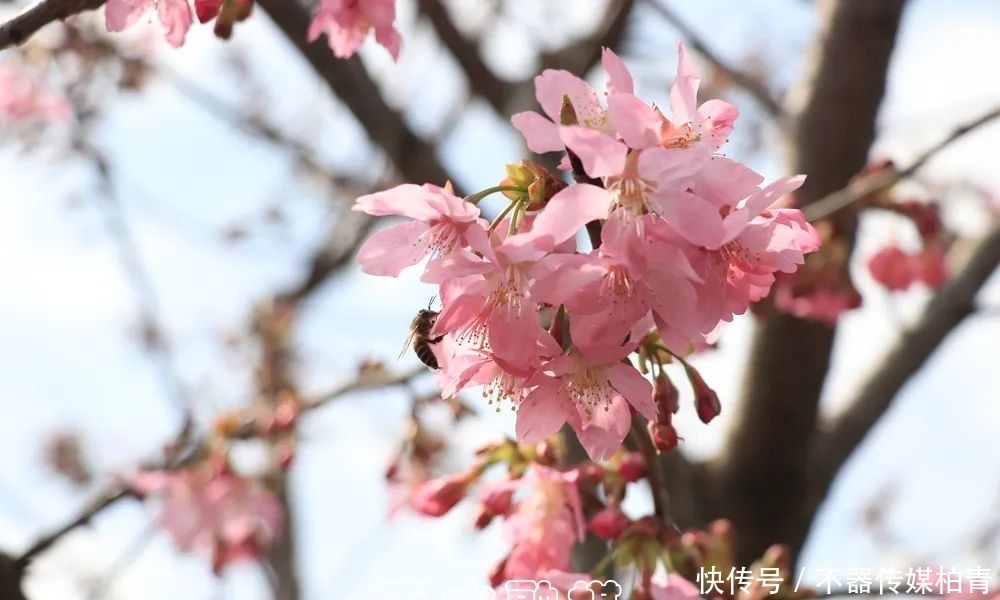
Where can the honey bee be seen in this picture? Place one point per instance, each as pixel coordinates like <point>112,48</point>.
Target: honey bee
<point>419,338</point>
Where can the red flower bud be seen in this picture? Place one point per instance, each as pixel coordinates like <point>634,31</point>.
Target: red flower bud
<point>665,395</point>
<point>609,523</point>
<point>706,401</point>
<point>664,436</point>
<point>436,497</point>
<point>632,467</point>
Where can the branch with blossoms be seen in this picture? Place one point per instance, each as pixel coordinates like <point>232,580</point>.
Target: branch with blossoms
<point>683,239</point>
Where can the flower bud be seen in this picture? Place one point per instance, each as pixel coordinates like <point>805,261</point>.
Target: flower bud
<point>664,436</point>
<point>665,395</point>
<point>498,573</point>
<point>436,497</point>
<point>498,501</point>
<point>706,401</point>
<point>632,467</point>
<point>609,522</point>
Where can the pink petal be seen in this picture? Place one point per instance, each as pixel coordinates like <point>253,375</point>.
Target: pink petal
<point>176,17</point>
<point>540,134</point>
<point>605,430</point>
<point>565,214</point>
<point>619,78</point>
<point>407,200</point>
<point>636,121</point>
<point>539,415</point>
<point>122,14</point>
<point>693,219</point>
<point>389,251</point>
<point>684,92</point>
<point>636,389</point>
<point>601,154</point>
<point>389,39</point>
<point>552,85</point>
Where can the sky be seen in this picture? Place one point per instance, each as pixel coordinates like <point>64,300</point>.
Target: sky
<point>72,362</point>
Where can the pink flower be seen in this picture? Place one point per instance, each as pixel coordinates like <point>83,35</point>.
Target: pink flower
<point>542,132</point>
<point>487,294</point>
<point>593,392</point>
<point>210,509</point>
<point>820,303</point>
<point>544,524</point>
<point>346,24</point>
<point>174,15</point>
<point>442,223</point>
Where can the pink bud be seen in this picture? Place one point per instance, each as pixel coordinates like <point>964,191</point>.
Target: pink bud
<point>933,267</point>
<point>664,436</point>
<point>632,467</point>
<point>436,497</point>
<point>665,395</point>
<point>706,401</point>
<point>609,523</point>
<point>498,573</point>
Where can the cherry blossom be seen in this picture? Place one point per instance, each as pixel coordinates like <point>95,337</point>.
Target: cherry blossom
<point>208,508</point>
<point>347,23</point>
<point>174,15</point>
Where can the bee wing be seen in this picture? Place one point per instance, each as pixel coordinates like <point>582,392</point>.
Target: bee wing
<point>408,343</point>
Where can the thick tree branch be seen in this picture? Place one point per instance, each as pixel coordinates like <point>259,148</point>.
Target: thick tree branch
<point>17,30</point>
<point>760,479</point>
<point>946,311</point>
<point>754,86</point>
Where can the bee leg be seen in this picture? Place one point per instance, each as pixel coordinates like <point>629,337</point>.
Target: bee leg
<point>436,340</point>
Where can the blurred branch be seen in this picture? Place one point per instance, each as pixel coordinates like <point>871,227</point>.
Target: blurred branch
<point>946,311</point>
<point>865,187</point>
<point>89,511</point>
<point>365,381</point>
<point>17,30</point>
<point>482,80</point>
<point>753,85</point>
<point>414,158</point>
<point>760,480</point>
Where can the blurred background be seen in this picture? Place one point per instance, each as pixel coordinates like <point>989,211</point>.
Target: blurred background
<point>151,223</point>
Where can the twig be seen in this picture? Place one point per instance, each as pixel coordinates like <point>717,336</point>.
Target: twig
<point>363,382</point>
<point>748,82</point>
<point>17,30</point>
<point>864,187</point>
<point>654,471</point>
<point>946,311</point>
<point>90,510</point>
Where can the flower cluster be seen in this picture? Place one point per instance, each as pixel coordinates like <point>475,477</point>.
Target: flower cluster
<point>897,269</point>
<point>683,239</point>
<point>346,23</point>
<point>208,508</point>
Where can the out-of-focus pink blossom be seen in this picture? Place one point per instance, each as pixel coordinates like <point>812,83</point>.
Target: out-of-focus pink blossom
<point>436,497</point>
<point>544,524</point>
<point>347,23</point>
<point>609,522</point>
<point>676,588</point>
<point>893,268</point>
<point>174,15</point>
<point>209,509</point>
<point>822,303</point>
<point>22,96</point>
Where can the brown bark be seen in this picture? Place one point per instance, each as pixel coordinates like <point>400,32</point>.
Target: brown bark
<point>760,481</point>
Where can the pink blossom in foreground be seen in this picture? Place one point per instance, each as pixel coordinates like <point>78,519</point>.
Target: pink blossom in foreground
<point>174,15</point>
<point>688,239</point>
<point>442,222</point>
<point>347,23</point>
<point>209,509</point>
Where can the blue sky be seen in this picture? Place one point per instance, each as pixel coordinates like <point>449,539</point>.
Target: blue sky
<point>183,176</point>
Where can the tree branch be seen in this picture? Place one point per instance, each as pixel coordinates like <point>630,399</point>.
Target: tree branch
<point>760,479</point>
<point>864,187</point>
<point>17,30</point>
<point>415,159</point>
<point>946,311</point>
<point>754,86</point>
